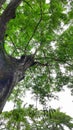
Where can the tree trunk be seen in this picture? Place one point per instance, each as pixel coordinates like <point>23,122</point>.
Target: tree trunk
<point>11,70</point>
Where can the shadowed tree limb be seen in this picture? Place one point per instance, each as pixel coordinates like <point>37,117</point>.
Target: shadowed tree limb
<point>9,13</point>
<point>2,2</point>
<point>41,64</point>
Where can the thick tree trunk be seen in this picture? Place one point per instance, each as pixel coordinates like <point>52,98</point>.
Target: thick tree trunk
<point>11,70</point>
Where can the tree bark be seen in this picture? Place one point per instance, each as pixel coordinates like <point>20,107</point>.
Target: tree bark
<point>12,70</point>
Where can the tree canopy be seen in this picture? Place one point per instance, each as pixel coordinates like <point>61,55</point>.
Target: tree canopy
<point>36,48</point>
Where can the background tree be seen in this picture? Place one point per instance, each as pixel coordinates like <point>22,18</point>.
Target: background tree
<point>33,119</point>
<point>37,35</point>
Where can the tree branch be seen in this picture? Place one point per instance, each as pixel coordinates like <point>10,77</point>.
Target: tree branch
<point>53,58</point>
<point>2,2</point>
<point>8,14</point>
<point>34,31</point>
<point>41,64</point>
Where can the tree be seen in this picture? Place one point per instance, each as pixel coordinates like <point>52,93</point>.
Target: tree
<point>11,69</point>
<point>35,35</point>
<point>27,27</point>
<point>33,119</point>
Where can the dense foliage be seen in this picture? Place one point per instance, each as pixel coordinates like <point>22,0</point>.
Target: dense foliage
<point>46,31</point>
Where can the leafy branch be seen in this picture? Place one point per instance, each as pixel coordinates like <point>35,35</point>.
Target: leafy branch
<point>34,31</point>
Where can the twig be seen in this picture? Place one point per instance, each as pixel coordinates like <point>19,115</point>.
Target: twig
<point>28,4</point>
<point>55,59</point>
<point>33,34</point>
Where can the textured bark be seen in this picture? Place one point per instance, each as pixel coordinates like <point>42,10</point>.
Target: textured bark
<point>11,70</point>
